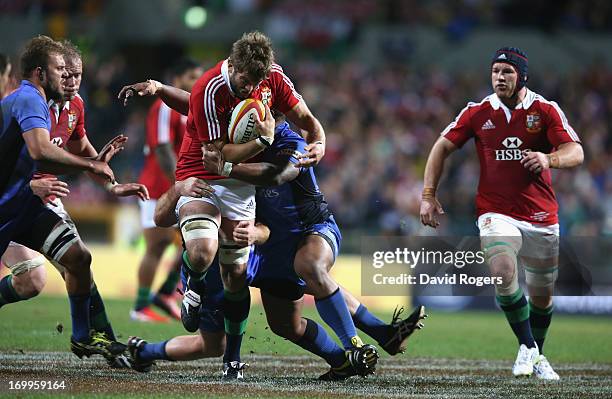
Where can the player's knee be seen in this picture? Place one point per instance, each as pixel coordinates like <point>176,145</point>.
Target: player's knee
<point>312,271</point>
<point>232,254</point>
<point>201,253</point>
<point>504,269</point>
<point>77,258</point>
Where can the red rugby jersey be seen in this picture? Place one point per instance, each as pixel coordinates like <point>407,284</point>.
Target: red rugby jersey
<point>67,124</point>
<point>164,125</point>
<point>502,136</point>
<point>210,109</point>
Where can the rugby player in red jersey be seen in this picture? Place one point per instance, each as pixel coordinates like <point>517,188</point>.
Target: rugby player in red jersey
<point>165,129</point>
<point>520,136</point>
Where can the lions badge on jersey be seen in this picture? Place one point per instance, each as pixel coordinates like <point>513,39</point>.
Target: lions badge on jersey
<point>534,123</point>
<point>72,118</point>
<point>266,95</point>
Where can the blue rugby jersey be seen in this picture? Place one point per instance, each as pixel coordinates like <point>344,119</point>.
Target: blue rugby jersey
<point>23,110</point>
<point>293,207</point>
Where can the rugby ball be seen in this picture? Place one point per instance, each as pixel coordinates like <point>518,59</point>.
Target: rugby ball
<point>242,123</point>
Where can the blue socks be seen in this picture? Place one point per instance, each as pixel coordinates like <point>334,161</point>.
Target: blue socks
<point>232,348</point>
<point>79,312</point>
<point>334,312</point>
<point>7,291</point>
<point>371,325</point>
<point>154,351</point>
<point>316,340</point>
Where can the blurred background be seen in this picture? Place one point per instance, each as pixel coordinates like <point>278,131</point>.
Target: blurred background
<point>383,77</point>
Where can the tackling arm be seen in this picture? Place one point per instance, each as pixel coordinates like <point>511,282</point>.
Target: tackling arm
<point>173,97</point>
<point>166,159</point>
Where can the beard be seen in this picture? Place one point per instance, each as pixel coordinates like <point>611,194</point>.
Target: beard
<point>54,91</point>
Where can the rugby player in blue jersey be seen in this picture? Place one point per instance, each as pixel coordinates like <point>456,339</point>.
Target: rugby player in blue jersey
<point>302,229</point>
<point>25,146</point>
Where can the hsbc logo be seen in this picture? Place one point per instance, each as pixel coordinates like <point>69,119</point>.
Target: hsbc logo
<point>512,151</point>
<point>512,142</point>
<point>57,141</point>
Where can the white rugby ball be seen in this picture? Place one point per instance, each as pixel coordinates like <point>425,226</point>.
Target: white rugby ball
<point>242,124</point>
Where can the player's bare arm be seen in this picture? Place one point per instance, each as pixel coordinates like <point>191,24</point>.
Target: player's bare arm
<point>58,161</point>
<point>174,97</point>
<point>166,159</point>
<point>301,116</point>
<point>430,206</point>
<point>262,174</point>
<point>191,187</point>
<point>237,153</point>
<point>568,155</point>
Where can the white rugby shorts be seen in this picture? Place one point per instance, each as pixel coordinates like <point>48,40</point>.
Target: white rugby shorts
<point>234,199</point>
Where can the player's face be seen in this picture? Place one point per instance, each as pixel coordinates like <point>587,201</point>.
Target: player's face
<point>72,82</point>
<point>188,79</point>
<point>504,79</point>
<point>242,84</point>
<point>52,77</point>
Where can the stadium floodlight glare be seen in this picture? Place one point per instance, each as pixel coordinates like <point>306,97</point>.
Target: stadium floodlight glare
<point>195,17</point>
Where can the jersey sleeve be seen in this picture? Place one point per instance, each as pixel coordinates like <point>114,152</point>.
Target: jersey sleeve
<point>460,130</point>
<point>208,112</point>
<point>286,97</point>
<point>31,113</point>
<point>559,130</point>
<point>79,130</point>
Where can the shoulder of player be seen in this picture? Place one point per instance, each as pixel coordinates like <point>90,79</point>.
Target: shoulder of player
<point>77,103</point>
<point>544,105</point>
<point>472,107</point>
<point>277,73</point>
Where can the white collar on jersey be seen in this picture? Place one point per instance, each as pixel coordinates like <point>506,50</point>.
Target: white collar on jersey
<point>225,74</point>
<point>55,106</point>
<point>496,103</point>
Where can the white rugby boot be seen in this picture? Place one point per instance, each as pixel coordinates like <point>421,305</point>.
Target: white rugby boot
<point>525,359</point>
<point>543,370</point>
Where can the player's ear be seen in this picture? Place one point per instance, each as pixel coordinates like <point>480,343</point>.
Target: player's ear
<point>41,73</point>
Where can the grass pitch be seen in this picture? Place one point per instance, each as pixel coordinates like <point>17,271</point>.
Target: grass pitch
<point>466,354</point>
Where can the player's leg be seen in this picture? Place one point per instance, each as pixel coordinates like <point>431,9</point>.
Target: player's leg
<point>199,221</point>
<point>313,259</point>
<point>27,277</point>
<point>541,260</point>
<point>285,319</point>
<point>209,343</point>
<point>58,240</point>
<point>233,261</point>
<point>391,337</point>
<point>157,240</point>
<point>501,241</point>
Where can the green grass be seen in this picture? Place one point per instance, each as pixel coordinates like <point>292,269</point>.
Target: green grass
<point>31,326</point>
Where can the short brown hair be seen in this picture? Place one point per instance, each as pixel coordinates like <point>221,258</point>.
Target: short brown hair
<point>71,51</point>
<point>252,54</point>
<point>37,52</point>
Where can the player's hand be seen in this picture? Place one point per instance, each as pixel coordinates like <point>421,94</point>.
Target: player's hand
<point>212,158</point>
<point>140,89</point>
<point>245,233</point>
<point>194,187</point>
<point>430,209</point>
<point>535,162</point>
<point>49,187</point>
<point>111,148</point>
<point>129,189</point>
<point>312,156</point>
<point>102,169</point>
<point>265,127</point>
